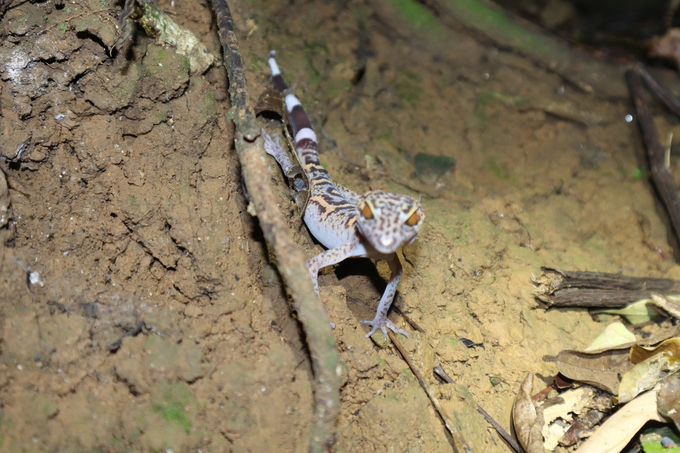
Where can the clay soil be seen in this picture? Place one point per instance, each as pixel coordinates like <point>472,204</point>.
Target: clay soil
<point>140,309</point>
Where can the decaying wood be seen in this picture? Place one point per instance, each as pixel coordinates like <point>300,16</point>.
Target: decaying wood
<point>559,288</point>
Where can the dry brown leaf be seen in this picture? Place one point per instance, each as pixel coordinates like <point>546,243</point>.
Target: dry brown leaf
<point>666,304</point>
<point>670,347</point>
<point>619,429</point>
<point>669,399</point>
<point>664,333</point>
<point>527,419</point>
<point>602,370</point>
<point>644,376</point>
<point>651,366</point>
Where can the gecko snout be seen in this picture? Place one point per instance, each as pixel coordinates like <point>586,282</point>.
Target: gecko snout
<point>386,241</point>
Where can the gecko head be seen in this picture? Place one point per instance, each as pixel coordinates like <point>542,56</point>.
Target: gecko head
<point>387,220</point>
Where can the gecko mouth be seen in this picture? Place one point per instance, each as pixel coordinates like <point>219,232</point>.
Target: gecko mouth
<point>389,245</point>
<point>386,241</point>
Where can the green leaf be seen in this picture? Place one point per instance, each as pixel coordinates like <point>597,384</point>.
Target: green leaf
<point>635,313</point>
<point>651,440</point>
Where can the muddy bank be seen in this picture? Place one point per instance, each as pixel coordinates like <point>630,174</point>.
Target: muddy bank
<point>155,319</point>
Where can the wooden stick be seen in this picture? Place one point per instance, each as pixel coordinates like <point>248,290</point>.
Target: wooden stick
<point>661,176</point>
<point>600,280</point>
<point>559,288</point>
<point>459,444</point>
<point>511,441</point>
<point>501,431</point>
<point>594,298</point>
<point>291,262</point>
<point>664,95</point>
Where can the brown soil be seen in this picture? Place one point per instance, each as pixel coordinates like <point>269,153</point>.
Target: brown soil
<point>126,207</point>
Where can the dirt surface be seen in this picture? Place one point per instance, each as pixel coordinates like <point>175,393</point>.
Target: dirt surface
<point>140,309</point>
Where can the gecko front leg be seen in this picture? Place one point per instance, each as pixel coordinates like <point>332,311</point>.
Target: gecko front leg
<point>331,257</point>
<point>273,147</point>
<point>381,321</point>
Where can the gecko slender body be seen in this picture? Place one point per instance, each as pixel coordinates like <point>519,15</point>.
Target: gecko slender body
<point>373,225</point>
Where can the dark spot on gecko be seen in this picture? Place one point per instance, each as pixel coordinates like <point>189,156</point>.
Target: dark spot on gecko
<point>322,209</point>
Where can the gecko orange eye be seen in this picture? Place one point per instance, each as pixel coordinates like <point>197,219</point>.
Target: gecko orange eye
<point>366,212</point>
<point>412,220</point>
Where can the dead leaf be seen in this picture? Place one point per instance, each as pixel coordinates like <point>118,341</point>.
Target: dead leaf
<point>619,429</point>
<point>670,347</point>
<point>527,419</point>
<point>669,399</point>
<point>651,366</point>
<point>602,370</point>
<point>661,335</point>
<point>667,304</point>
<point>643,376</point>
<point>614,336</point>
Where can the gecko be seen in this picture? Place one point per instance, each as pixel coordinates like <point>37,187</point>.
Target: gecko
<point>373,225</point>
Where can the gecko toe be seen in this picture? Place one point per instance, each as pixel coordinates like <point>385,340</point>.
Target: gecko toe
<point>383,324</point>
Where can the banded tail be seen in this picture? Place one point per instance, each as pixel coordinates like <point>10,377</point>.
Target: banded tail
<point>306,145</point>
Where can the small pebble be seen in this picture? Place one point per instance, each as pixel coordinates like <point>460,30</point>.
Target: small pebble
<point>667,442</point>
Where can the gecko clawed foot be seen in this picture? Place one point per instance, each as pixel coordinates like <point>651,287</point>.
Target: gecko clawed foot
<point>272,145</point>
<point>383,324</point>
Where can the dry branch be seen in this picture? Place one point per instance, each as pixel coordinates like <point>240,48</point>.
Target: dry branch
<point>291,263</point>
<point>661,175</point>
<point>559,288</point>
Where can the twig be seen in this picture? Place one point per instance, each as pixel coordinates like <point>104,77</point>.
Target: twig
<point>661,176</point>
<point>250,148</point>
<point>664,95</point>
<point>501,432</point>
<point>507,437</point>
<point>459,444</point>
<point>443,375</point>
<point>407,318</point>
